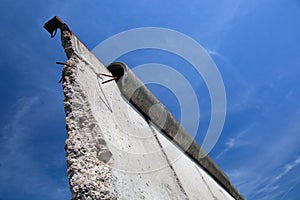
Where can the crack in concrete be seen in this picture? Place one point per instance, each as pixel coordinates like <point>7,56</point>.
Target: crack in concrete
<point>169,163</point>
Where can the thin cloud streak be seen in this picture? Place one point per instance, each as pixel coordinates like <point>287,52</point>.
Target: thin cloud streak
<point>265,185</point>
<point>234,142</point>
<point>17,163</point>
<point>287,168</point>
<point>258,175</point>
<point>290,189</point>
<point>272,187</point>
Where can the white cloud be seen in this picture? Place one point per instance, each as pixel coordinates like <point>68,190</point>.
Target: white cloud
<point>235,142</point>
<point>13,130</point>
<point>19,170</point>
<point>287,168</point>
<point>244,94</point>
<point>215,53</point>
<point>270,187</point>
<point>290,189</point>
<point>266,165</point>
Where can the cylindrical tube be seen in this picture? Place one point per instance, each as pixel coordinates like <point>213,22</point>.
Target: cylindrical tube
<point>145,102</point>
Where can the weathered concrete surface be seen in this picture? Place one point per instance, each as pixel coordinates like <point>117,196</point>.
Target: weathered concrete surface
<point>142,98</point>
<point>197,183</point>
<point>112,151</point>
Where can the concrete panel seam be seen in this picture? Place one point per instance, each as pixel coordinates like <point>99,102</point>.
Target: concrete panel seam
<point>169,163</point>
<point>206,184</point>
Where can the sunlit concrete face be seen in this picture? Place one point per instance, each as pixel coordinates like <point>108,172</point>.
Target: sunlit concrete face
<point>113,152</point>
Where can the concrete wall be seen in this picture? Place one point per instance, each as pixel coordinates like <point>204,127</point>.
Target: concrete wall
<point>112,150</point>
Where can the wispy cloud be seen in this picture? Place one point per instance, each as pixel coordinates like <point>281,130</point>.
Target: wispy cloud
<point>223,17</point>
<point>268,167</point>
<point>287,168</point>
<point>290,189</point>
<point>215,53</point>
<point>19,170</point>
<point>13,130</point>
<point>243,95</point>
<point>234,142</point>
<point>271,187</point>
<point>264,175</point>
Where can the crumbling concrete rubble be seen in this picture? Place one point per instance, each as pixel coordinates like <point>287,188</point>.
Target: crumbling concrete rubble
<point>87,154</point>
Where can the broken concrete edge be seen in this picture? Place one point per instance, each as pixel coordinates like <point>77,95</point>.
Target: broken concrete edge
<point>82,159</point>
<point>87,155</point>
<point>172,129</point>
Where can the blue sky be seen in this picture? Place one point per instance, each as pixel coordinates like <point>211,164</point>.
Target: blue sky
<point>255,44</point>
